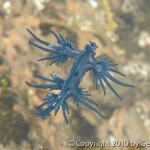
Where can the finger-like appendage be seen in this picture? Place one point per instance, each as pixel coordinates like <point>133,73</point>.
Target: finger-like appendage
<point>96,80</point>
<point>116,71</point>
<point>63,39</point>
<point>108,75</point>
<point>48,58</point>
<point>58,39</point>
<point>44,49</point>
<point>57,109</point>
<point>64,113</point>
<point>92,108</point>
<point>43,86</point>
<point>109,85</point>
<point>38,39</point>
<point>89,100</point>
<point>43,78</point>
<point>102,84</point>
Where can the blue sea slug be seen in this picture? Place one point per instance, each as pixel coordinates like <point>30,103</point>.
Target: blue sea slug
<point>70,88</point>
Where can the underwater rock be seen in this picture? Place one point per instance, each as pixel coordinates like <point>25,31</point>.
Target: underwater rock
<point>7,7</point>
<point>12,125</point>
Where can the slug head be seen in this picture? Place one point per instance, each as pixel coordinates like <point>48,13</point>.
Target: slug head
<point>91,47</point>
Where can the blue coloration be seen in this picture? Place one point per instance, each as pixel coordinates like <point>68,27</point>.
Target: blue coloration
<point>84,61</point>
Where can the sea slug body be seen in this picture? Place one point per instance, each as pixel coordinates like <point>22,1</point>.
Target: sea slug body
<point>84,61</point>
